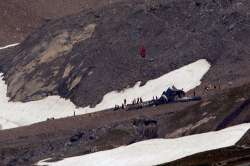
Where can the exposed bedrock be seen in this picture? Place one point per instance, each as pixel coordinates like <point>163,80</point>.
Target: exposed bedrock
<point>84,56</point>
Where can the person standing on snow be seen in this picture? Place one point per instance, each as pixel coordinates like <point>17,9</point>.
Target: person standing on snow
<point>141,100</point>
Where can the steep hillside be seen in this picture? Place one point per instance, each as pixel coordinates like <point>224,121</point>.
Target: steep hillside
<point>158,151</point>
<point>84,56</point>
<point>109,129</point>
<point>57,107</point>
<point>85,49</point>
<point>18,18</point>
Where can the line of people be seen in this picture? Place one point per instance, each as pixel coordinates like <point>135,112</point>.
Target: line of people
<point>124,104</point>
<point>137,101</point>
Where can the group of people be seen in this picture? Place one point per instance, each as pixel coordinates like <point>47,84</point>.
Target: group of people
<point>210,87</point>
<point>137,101</point>
<point>155,98</point>
<point>124,104</point>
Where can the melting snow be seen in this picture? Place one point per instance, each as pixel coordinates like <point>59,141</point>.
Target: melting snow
<point>158,151</point>
<point>8,46</point>
<point>20,114</point>
<point>187,77</point>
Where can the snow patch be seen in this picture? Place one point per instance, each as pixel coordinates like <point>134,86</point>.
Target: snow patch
<point>8,46</point>
<point>187,77</point>
<point>20,114</point>
<point>158,151</point>
<point>90,73</point>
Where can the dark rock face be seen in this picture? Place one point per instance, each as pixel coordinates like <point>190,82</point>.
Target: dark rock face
<point>84,56</point>
<point>147,128</point>
<point>80,141</point>
<point>20,17</point>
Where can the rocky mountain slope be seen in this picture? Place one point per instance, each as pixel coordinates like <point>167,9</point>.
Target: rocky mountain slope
<point>86,55</point>
<point>159,151</point>
<point>20,17</point>
<point>89,133</point>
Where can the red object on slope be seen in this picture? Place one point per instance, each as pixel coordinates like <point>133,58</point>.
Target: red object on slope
<point>143,52</point>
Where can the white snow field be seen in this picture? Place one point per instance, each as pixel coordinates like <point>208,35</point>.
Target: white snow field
<point>158,151</point>
<point>8,46</point>
<point>20,114</point>
<point>187,77</point>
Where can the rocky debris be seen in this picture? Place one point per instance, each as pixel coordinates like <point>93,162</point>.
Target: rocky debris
<point>21,17</point>
<point>245,141</point>
<point>189,128</point>
<point>57,58</point>
<point>84,56</point>
<point>76,137</point>
<point>83,141</point>
<point>109,129</point>
<point>60,45</point>
<point>236,112</point>
<point>146,127</point>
